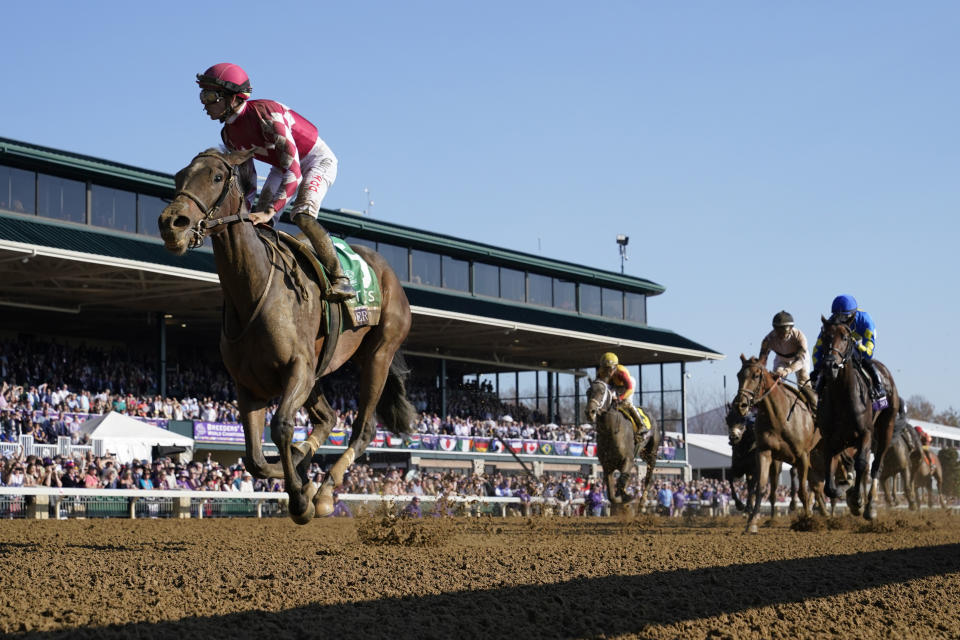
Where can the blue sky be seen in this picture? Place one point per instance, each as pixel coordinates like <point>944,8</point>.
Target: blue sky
<point>760,156</point>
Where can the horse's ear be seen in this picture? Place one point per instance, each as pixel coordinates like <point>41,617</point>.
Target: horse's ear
<point>743,358</point>
<point>824,320</point>
<point>237,158</point>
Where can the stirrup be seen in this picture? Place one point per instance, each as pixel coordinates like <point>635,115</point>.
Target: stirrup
<point>340,289</point>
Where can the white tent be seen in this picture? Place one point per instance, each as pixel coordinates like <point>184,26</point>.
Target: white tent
<point>130,439</point>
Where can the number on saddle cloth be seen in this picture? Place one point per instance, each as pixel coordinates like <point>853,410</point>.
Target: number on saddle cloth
<point>365,307</point>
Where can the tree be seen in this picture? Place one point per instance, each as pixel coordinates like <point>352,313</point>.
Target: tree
<point>919,408</point>
<point>948,417</point>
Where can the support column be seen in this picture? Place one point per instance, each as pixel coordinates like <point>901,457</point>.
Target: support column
<point>443,388</point>
<point>38,507</point>
<point>162,355</point>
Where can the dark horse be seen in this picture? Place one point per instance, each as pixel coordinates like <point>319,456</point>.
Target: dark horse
<point>616,444</point>
<point>785,430</point>
<point>847,419</point>
<point>897,461</point>
<point>273,315</point>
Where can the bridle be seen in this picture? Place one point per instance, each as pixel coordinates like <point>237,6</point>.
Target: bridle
<point>756,395</point>
<point>208,221</point>
<point>834,354</point>
<point>604,400</point>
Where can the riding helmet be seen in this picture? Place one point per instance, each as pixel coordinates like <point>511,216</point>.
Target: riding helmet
<point>609,360</point>
<point>228,77</point>
<point>783,319</point>
<point>843,304</point>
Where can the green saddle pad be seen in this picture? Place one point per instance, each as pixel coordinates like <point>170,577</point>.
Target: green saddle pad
<point>365,307</point>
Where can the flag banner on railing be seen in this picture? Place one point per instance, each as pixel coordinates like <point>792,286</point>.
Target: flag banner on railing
<point>546,448</point>
<point>429,441</point>
<point>590,449</point>
<point>394,440</point>
<point>496,446</point>
<point>481,445</point>
<point>337,438</point>
<point>560,448</point>
<point>448,443</point>
<point>530,446</point>
<point>378,440</point>
<point>412,441</point>
<point>465,444</point>
<point>575,448</point>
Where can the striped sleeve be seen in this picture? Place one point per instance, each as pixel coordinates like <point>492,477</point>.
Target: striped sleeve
<point>278,133</point>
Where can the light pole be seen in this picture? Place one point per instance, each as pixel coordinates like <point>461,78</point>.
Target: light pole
<point>623,241</point>
<point>369,198</point>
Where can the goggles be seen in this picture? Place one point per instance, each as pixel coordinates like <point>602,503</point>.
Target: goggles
<point>210,96</point>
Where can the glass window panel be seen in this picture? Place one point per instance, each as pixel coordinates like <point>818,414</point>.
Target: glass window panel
<point>456,274</point>
<point>113,208</point>
<point>18,190</point>
<point>148,210</point>
<point>564,295</point>
<point>397,258</point>
<point>61,199</point>
<point>539,289</point>
<point>486,279</point>
<point>512,284</point>
<point>528,384</point>
<point>426,267</point>
<point>636,307</point>
<point>590,299</point>
<point>612,303</point>
<point>361,242</point>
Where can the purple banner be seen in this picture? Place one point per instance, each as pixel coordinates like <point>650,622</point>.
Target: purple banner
<point>230,432</point>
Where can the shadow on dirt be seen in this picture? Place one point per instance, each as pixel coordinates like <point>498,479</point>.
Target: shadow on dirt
<point>610,605</point>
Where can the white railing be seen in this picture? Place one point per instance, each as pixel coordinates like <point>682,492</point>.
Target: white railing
<point>63,447</point>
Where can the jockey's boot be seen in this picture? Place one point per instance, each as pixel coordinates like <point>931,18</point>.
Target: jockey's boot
<point>340,287</point>
<point>640,431</point>
<point>877,392</point>
<point>810,396</point>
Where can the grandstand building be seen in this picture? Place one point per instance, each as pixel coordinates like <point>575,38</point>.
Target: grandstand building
<point>80,259</point>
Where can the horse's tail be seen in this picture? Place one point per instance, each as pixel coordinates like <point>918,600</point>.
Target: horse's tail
<point>396,412</point>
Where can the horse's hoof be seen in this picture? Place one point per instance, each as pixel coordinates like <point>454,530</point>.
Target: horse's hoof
<point>323,501</point>
<point>305,517</point>
<point>308,491</point>
<point>753,529</point>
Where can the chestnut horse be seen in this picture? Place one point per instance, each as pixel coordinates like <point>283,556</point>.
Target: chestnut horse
<point>926,469</point>
<point>616,444</point>
<point>273,314</point>
<point>897,461</point>
<point>784,430</point>
<point>847,419</point>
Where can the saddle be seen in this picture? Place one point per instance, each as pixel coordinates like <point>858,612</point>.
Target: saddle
<point>638,429</point>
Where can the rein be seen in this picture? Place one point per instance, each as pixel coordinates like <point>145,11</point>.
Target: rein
<point>754,401</point>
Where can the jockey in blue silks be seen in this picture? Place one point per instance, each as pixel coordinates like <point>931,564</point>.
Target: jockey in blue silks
<point>844,309</point>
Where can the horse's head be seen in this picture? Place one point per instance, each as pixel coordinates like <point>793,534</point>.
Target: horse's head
<point>838,344</point>
<point>754,381</point>
<point>599,399</point>
<point>736,425</point>
<point>212,183</point>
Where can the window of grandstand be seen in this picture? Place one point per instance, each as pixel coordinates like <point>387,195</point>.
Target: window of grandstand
<point>148,210</point>
<point>612,303</point>
<point>425,267</point>
<point>61,198</point>
<point>18,190</point>
<point>661,393</point>
<point>590,299</point>
<point>564,295</point>
<point>456,274</point>
<point>512,284</point>
<point>353,242</point>
<point>397,258</point>
<point>113,208</point>
<point>539,289</point>
<point>486,279</point>
<point>636,307</point>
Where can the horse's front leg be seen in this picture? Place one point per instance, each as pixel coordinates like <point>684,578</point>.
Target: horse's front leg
<point>252,413</point>
<point>802,466</point>
<point>295,392</point>
<point>322,419</point>
<point>830,480</point>
<point>763,459</point>
<point>855,493</point>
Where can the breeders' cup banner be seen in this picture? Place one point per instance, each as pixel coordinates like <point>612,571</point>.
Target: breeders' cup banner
<point>230,432</point>
<point>467,444</point>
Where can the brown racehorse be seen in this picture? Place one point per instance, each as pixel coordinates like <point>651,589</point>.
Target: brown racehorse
<point>273,315</point>
<point>897,462</point>
<point>784,428</point>
<point>924,473</point>
<point>743,461</point>
<point>847,419</point>
<point>616,444</point>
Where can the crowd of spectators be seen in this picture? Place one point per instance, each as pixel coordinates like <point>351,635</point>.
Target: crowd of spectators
<point>46,386</point>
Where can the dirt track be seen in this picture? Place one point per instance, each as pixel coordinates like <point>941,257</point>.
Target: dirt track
<point>513,578</point>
